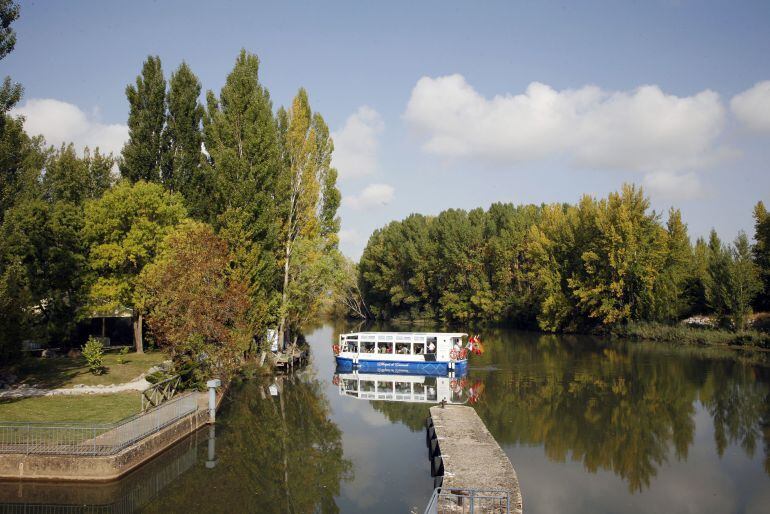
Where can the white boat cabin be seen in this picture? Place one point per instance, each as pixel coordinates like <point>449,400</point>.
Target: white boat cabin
<point>417,346</point>
<point>401,388</point>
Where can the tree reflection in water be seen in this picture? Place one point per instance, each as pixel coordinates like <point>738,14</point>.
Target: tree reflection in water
<point>277,453</point>
<point>623,407</point>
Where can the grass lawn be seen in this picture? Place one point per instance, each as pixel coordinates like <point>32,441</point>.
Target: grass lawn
<point>66,372</point>
<point>100,408</point>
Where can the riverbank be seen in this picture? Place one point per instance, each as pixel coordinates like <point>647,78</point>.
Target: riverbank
<point>681,334</point>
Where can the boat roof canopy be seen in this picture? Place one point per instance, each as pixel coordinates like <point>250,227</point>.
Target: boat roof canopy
<point>426,334</point>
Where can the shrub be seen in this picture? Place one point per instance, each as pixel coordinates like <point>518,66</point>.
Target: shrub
<point>93,351</point>
<point>122,355</point>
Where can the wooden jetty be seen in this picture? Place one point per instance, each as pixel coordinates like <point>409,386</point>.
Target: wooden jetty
<point>290,358</point>
<point>461,445</point>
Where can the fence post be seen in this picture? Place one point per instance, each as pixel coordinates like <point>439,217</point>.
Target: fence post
<point>212,385</point>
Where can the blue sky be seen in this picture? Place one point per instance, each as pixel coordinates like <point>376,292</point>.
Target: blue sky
<point>451,104</point>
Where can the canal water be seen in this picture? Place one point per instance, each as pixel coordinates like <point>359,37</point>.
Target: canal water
<point>590,425</point>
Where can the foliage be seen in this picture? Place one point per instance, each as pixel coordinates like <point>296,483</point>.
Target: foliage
<point>125,228</point>
<point>146,149</point>
<point>93,351</point>
<point>686,335</point>
<point>121,359</point>
<point>241,138</point>
<point>761,252</point>
<point>195,300</point>
<point>590,266</point>
<point>10,93</point>
<point>183,171</point>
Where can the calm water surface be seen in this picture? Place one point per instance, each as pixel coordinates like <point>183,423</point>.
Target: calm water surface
<point>590,426</point>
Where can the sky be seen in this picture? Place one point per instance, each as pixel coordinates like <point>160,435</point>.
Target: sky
<point>448,104</point>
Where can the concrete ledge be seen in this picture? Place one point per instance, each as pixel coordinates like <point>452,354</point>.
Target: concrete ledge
<point>15,466</point>
<point>471,457</point>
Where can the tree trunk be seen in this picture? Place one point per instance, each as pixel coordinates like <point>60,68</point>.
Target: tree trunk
<point>138,333</point>
<point>282,320</point>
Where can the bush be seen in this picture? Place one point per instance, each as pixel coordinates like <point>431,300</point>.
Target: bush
<point>93,351</point>
<point>688,335</point>
<point>122,355</point>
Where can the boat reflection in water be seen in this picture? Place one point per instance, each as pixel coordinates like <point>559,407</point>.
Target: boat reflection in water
<point>451,388</point>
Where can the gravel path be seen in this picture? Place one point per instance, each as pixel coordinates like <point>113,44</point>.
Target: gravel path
<point>140,384</point>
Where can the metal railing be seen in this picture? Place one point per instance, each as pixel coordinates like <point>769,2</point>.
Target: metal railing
<point>92,438</point>
<point>160,392</point>
<point>469,501</point>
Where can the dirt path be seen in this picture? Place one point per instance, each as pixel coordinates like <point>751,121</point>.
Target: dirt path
<point>140,384</point>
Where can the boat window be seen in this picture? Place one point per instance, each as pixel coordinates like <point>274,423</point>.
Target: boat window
<point>433,340</point>
<point>403,387</point>
<point>384,386</point>
<point>354,338</point>
<point>403,338</point>
<point>403,348</point>
<point>367,347</point>
<point>351,346</point>
<point>350,385</point>
<point>366,386</point>
<point>419,338</point>
<point>419,388</point>
<point>384,347</point>
<point>432,395</point>
<point>419,348</point>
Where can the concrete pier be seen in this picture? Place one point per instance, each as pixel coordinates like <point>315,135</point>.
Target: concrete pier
<point>469,455</point>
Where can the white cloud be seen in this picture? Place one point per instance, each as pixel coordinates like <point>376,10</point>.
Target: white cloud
<point>752,107</point>
<point>356,143</point>
<point>679,186</point>
<point>643,130</point>
<point>373,195</point>
<point>61,122</point>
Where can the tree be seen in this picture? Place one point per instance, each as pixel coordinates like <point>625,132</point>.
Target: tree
<point>10,93</point>
<point>307,215</point>
<point>21,159</point>
<point>183,172</point>
<point>670,301</point>
<point>14,309</point>
<point>44,240</point>
<point>241,138</point>
<point>761,252</point>
<point>193,296</point>
<point>744,282</point>
<point>69,178</point>
<point>145,152</point>
<point>124,229</point>
<point>718,278</point>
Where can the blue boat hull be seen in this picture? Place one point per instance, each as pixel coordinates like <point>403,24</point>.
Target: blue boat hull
<point>438,369</point>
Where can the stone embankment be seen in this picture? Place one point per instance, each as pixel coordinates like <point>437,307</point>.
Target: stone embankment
<point>470,457</point>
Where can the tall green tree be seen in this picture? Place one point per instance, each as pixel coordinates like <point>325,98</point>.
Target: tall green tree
<point>670,301</point>
<point>10,93</point>
<point>146,150</point>
<point>124,229</point>
<point>718,278</point>
<point>241,138</point>
<point>310,200</point>
<point>762,252</point>
<point>74,179</point>
<point>21,159</point>
<point>183,171</point>
<point>744,282</point>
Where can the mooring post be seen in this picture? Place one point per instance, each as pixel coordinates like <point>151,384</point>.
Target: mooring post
<point>212,385</point>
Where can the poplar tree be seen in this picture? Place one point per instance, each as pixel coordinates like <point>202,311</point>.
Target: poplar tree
<point>241,138</point>
<point>182,172</point>
<point>145,152</point>
<point>761,252</point>
<point>743,283</point>
<point>10,93</point>
<point>309,199</point>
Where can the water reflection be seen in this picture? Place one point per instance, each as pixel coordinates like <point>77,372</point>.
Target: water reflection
<point>274,449</point>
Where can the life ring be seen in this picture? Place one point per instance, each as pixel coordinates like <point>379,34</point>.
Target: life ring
<point>463,353</point>
<point>453,354</point>
<point>336,380</point>
<point>336,349</point>
<point>453,383</point>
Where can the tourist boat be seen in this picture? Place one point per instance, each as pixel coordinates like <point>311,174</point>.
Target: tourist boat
<point>451,389</point>
<point>424,353</point>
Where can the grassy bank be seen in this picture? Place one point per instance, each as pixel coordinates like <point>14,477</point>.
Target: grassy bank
<point>101,408</point>
<point>67,372</point>
<point>687,335</point>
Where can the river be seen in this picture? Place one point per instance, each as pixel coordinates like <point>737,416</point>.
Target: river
<point>591,426</point>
